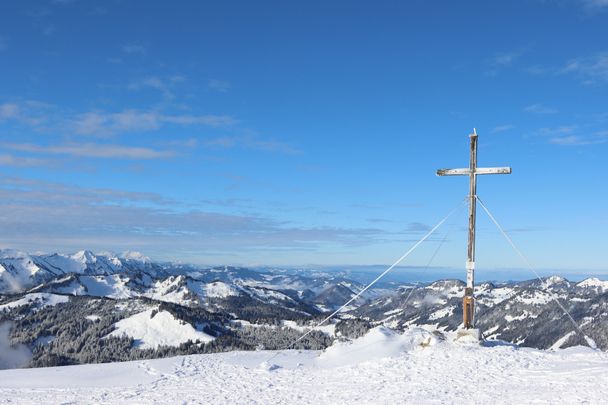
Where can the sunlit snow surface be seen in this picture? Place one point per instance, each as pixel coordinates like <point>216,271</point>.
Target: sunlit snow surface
<point>382,367</point>
<point>152,328</point>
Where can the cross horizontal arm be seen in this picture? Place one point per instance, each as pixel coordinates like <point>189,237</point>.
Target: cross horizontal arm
<point>479,170</point>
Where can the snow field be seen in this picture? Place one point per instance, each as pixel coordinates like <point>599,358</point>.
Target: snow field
<point>382,367</point>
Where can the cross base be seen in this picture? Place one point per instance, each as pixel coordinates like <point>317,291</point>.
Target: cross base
<point>468,336</point>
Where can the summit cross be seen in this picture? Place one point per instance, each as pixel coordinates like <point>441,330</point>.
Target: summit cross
<point>468,303</point>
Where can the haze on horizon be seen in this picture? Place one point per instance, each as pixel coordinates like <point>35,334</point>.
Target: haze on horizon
<point>270,133</point>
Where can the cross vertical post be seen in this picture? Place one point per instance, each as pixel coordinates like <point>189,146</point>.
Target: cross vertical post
<point>468,303</point>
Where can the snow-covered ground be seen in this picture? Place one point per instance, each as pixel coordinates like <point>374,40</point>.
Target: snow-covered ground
<point>382,367</point>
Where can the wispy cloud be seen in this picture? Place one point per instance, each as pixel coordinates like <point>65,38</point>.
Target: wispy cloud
<point>8,111</point>
<point>92,150</point>
<point>221,86</point>
<point>557,131</point>
<point>595,138</point>
<point>417,227</point>
<point>46,117</point>
<point>134,49</point>
<point>21,161</point>
<point>573,135</point>
<point>253,142</point>
<point>209,120</point>
<point>503,59</point>
<point>590,70</point>
<point>104,124</point>
<point>54,216</point>
<point>595,5</point>
<point>502,128</point>
<point>164,85</point>
<point>48,30</point>
<point>539,109</point>
<point>30,112</point>
<point>576,140</point>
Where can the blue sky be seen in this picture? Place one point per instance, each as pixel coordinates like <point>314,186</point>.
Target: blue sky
<point>296,133</point>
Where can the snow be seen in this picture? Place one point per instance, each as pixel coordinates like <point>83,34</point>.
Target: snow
<point>329,329</point>
<point>40,300</point>
<point>16,270</point>
<point>496,296</point>
<point>524,315</point>
<point>171,289</point>
<point>442,313</point>
<point>381,367</point>
<point>534,298</point>
<point>162,329</point>
<point>113,286</point>
<point>135,256</point>
<point>560,342</point>
<point>594,283</point>
<point>219,289</point>
<point>380,342</point>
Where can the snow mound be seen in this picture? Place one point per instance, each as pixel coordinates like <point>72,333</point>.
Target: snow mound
<point>380,342</point>
<point>152,329</point>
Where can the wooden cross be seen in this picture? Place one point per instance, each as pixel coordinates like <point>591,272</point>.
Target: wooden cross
<point>472,172</point>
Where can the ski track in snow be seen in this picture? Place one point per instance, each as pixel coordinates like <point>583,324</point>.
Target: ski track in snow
<point>441,374</point>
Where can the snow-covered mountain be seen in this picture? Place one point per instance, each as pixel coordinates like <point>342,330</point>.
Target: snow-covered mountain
<point>83,307</point>
<point>524,313</point>
<point>20,271</point>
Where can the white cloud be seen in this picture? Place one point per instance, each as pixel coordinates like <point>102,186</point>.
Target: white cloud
<point>45,117</point>
<point>164,85</point>
<point>591,69</point>
<point>209,120</point>
<point>540,109</point>
<point>134,49</point>
<point>595,4</point>
<point>92,150</point>
<point>106,124</point>
<point>573,136</point>
<point>21,161</point>
<point>253,142</point>
<point>221,86</point>
<point>499,61</point>
<point>501,128</point>
<point>576,140</point>
<point>503,59</point>
<point>8,111</point>
<point>54,216</point>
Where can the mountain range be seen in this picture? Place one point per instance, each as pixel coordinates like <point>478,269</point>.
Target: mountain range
<point>87,308</point>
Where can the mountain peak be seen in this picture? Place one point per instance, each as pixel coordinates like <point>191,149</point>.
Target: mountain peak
<point>135,256</point>
<point>85,256</point>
